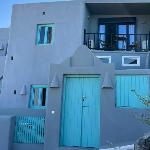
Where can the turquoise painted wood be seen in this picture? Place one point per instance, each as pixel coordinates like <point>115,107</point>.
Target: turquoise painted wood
<point>29,130</point>
<point>32,97</point>
<point>45,37</point>
<point>125,83</point>
<point>80,124</point>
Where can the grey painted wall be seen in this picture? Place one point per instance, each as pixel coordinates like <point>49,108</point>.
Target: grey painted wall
<point>6,132</point>
<point>118,126</point>
<point>31,61</point>
<point>30,65</point>
<point>7,124</point>
<point>116,59</point>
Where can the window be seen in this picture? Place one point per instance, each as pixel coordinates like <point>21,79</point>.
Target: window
<point>105,59</point>
<point>126,35</point>
<point>39,95</point>
<point>130,60</point>
<point>45,34</point>
<point>117,33</point>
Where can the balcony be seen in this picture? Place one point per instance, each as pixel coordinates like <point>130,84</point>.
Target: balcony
<point>117,42</point>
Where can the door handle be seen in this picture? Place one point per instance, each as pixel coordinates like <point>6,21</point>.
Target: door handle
<point>85,106</point>
<point>83,98</point>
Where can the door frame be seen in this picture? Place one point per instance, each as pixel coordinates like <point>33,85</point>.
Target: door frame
<point>83,62</point>
<point>61,112</point>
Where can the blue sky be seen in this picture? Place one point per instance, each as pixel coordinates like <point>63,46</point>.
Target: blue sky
<point>6,9</point>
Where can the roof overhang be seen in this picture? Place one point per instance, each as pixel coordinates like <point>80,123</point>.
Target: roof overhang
<point>99,8</point>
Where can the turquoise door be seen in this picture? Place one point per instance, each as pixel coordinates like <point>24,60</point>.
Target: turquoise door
<point>80,123</point>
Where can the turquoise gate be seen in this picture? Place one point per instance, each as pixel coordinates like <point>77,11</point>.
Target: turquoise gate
<point>124,86</point>
<point>80,125</point>
<point>29,130</point>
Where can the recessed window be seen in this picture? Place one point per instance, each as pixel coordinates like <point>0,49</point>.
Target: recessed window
<point>105,59</point>
<point>130,60</point>
<point>38,98</point>
<point>45,34</point>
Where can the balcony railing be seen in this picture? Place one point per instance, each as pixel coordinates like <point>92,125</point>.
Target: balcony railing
<point>117,42</point>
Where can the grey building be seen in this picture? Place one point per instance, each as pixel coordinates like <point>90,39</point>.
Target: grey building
<point>73,74</point>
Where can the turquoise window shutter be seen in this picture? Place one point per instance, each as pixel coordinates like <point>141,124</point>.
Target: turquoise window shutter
<point>38,34</point>
<point>125,97</point>
<point>45,34</point>
<point>38,96</point>
<point>32,97</point>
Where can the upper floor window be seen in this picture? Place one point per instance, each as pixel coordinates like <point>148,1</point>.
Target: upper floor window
<point>117,33</point>
<point>38,97</point>
<point>45,33</point>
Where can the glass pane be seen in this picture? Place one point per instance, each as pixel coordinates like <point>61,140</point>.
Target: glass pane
<point>42,34</point>
<point>49,35</point>
<point>44,97</point>
<point>130,61</point>
<point>122,38</point>
<point>36,91</point>
<point>102,37</point>
<point>131,35</point>
<point>102,29</point>
<point>122,29</point>
<point>38,96</point>
<point>132,29</point>
<point>104,60</point>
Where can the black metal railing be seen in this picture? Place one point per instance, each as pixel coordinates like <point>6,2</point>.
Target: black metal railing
<point>114,42</point>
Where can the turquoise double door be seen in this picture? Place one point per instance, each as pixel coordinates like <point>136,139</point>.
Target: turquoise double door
<point>80,119</point>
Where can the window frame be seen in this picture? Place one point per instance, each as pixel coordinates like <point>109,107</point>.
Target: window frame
<point>30,99</point>
<point>106,57</point>
<point>38,33</point>
<point>138,58</point>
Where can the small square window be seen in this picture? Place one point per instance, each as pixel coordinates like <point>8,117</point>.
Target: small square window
<point>45,34</point>
<point>38,97</point>
<point>105,59</point>
<point>130,60</point>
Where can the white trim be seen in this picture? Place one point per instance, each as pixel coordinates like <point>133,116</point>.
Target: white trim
<point>131,57</point>
<point>107,57</point>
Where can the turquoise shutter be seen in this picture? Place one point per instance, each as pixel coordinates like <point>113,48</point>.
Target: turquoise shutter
<point>46,34</point>
<point>32,97</point>
<point>46,96</point>
<point>124,86</point>
<point>38,34</point>
<point>40,94</point>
